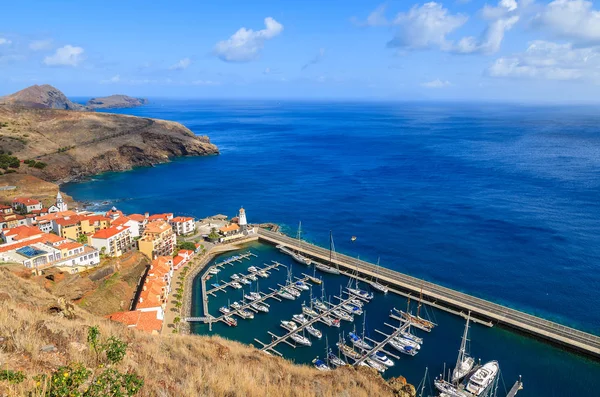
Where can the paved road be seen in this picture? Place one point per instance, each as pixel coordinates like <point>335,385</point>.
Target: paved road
<point>537,326</point>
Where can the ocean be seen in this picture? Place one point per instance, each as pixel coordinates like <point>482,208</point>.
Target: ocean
<point>499,201</point>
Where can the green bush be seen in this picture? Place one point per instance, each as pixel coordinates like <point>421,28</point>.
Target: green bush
<point>40,165</point>
<point>8,161</point>
<point>12,376</point>
<point>187,245</point>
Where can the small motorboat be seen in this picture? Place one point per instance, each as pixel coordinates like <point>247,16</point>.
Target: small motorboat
<point>247,314</point>
<point>259,307</point>
<point>235,277</point>
<point>303,340</point>
<point>236,285</point>
<point>314,332</point>
<point>300,319</point>
<point>321,365</point>
<point>236,305</point>
<point>289,325</point>
<point>356,302</point>
<point>375,364</point>
<point>382,358</point>
<point>213,270</point>
<point>286,295</point>
<point>245,281</point>
<point>314,280</point>
<point>342,315</point>
<point>224,310</point>
<point>232,322</point>
<point>358,342</point>
<point>252,269</point>
<point>301,285</point>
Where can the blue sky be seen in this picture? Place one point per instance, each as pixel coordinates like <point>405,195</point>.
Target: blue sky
<point>515,50</point>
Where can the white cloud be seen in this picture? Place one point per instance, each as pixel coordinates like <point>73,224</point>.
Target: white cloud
<point>115,79</point>
<point>206,82</point>
<point>571,19</point>
<point>40,45</point>
<point>425,27</point>
<point>246,44</point>
<point>182,64</point>
<point>316,59</point>
<point>375,18</point>
<point>550,61</point>
<point>437,83</point>
<point>4,41</point>
<point>65,56</point>
<point>502,18</point>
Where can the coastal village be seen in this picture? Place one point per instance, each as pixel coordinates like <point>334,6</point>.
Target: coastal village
<point>40,238</point>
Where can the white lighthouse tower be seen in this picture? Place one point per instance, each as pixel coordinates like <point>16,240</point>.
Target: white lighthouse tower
<point>242,220</point>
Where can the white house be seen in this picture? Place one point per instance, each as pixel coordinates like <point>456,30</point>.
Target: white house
<point>26,204</point>
<point>183,225</point>
<point>115,240</point>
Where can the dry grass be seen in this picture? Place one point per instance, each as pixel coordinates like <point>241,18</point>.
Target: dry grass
<point>173,365</point>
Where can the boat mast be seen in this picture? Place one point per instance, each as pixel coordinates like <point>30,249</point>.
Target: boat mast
<point>330,246</point>
<point>463,344</point>
<point>423,385</point>
<point>420,300</point>
<point>299,240</point>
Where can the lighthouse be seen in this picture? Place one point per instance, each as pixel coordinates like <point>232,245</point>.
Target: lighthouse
<point>242,220</point>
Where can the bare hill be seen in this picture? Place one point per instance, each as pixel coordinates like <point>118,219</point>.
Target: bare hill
<point>77,144</point>
<point>41,96</point>
<point>40,333</point>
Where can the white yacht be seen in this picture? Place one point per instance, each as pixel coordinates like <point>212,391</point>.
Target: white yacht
<point>464,362</point>
<point>483,378</point>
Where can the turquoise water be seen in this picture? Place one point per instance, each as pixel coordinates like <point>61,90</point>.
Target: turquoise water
<point>498,201</point>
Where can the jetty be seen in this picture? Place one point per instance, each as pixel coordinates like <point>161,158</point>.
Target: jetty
<point>269,347</point>
<point>443,297</point>
<point>222,287</point>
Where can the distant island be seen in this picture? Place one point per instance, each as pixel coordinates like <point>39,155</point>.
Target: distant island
<point>115,101</point>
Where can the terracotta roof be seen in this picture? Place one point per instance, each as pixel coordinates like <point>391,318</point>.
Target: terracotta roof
<point>57,215</point>
<point>21,232</point>
<point>230,228</point>
<point>53,238</point>
<point>165,216</point>
<point>146,321</point>
<point>97,218</point>
<point>157,226</point>
<point>177,260</point>
<point>69,245</point>
<point>5,207</point>
<point>69,220</point>
<point>26,201</point>
<point>110,232</point>
<point>180,219</point>
<point>185,252</point>
<point>13,246</point>
<point>120,221</point>
<point>137,217</point>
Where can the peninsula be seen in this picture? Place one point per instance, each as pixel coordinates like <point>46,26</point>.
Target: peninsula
<point>54,143</point>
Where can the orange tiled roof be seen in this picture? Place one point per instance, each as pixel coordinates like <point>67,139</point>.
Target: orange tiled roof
<point>69,220</point>
<point>26,201</point>
<point>57,215</point>
<point>53,238</point>
<point>180,219</point>
<point>146,321</point>
<point>230,228</point>
<point>157,226</point>
<point>137,217</point>
<point>69,245</point>
<point>110,232</point>
<point>177,260</point>
<point>21,232</point>
<point>164,216</point>
<point>97,218</point>
<point>185,252</point>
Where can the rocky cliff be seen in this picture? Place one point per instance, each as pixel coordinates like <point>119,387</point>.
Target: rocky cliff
<point>115,101</point>
<point>41,96</point>
<point>77,144</point>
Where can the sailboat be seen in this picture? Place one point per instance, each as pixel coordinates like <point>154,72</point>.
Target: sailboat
<point>376,284</point>
<point>416,321</point>
<point>313,279</point>
<point>332,358</point>
<point>464,363</point>
<point>296,254</point>
<point>320,364</point>
<point>325,268</point>
<point>357,291</point>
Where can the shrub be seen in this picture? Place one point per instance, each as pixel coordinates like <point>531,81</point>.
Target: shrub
<point>40,165</point>
<point>12,376</point>
<point>187,245</point>
<point>8,161</point>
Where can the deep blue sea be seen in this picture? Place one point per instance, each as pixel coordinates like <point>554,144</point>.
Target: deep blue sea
<point>499,201</point>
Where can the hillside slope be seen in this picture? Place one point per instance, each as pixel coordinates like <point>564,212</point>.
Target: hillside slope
<point>78,144</point>
<point>41,96</point>
<point>174,365</point>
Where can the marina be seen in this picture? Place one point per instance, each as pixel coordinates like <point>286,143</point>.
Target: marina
<point>431,354</point>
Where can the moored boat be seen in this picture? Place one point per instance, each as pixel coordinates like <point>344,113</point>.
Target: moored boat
<point>358,342</point>
<point>247,314</point>
<point>236,305</point>
<point>483,378</point>
<point>348,351</point>
<point>342,315</point>
<point>224,310</point>
<point>214,270</point>
<point>285,294</point>
<point>309,312</point>
<point>382,358</point>
<point>251,277</point>
<point>236,285</point>
<point>249,297</point>
<point>314,332</point>
<point>335,360</point>
<point>232,322</point>
<point>361,293</point>
<point>244,281</point>
<point>408,342</point>
<point>402,348</point>
<point>303,340</point>
<point>259,307</point>
<point>252,269</point>
<point>464,362</point>
<point>289,325</point>
<point>300,319</point>
<point>321,365</point>
<point>235,277</point>
<point>301,285</point>
<point>351,309</point>
<point>375,364</point>
<point>263,274</point>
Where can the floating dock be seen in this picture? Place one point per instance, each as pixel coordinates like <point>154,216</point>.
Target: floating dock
<point>439,296</point>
